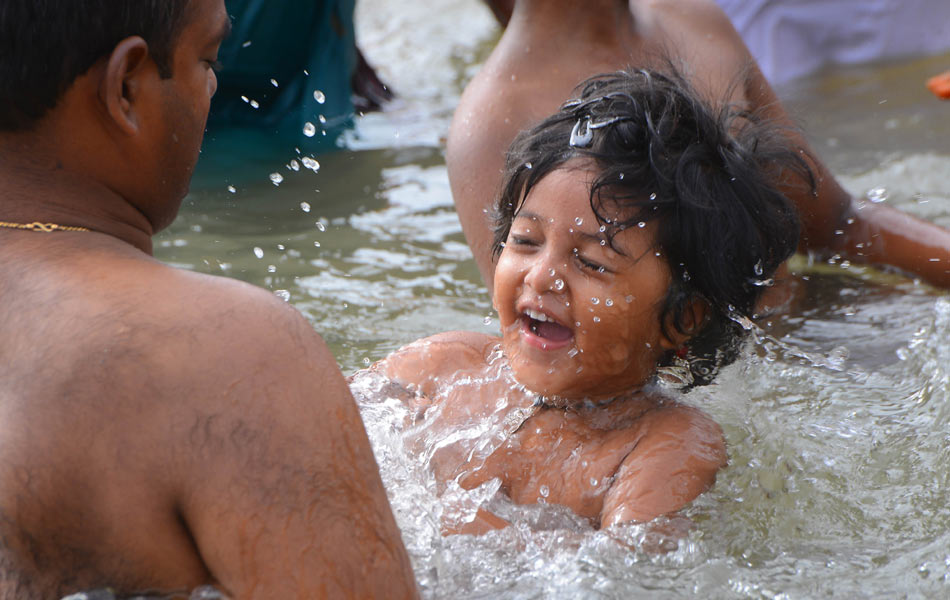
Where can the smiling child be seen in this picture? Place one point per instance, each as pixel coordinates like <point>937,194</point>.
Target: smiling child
<point>634,228</point>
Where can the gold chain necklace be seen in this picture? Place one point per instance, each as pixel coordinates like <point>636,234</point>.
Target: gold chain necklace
<point>43,227</point>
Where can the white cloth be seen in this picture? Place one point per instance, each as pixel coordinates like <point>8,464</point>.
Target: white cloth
<point>792,38</point>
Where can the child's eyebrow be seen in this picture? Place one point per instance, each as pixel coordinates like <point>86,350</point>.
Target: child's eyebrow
<point>598,238</point>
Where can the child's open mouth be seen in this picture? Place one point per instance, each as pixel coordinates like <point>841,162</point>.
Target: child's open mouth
<point>547,333</point>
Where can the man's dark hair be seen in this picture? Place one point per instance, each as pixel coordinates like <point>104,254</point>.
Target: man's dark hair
<point>708,178</point>
<point>46,44</point>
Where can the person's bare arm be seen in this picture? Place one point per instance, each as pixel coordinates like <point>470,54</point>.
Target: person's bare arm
<point>278,485</point>
<point>677,459</point>
<point>833,222</point>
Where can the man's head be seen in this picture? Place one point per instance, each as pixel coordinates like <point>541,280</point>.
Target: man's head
<point>117,90</point>
<point>46,44</point>
<point>706,179</point>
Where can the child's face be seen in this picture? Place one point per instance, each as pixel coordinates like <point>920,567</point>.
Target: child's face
<point>579,320</point>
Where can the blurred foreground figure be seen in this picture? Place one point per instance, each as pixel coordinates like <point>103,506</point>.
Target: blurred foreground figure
<point>160,429</point>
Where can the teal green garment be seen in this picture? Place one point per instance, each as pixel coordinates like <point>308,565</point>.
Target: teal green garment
<point>302,45</point>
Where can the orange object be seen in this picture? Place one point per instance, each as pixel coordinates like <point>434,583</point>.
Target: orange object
<point>940,85</point>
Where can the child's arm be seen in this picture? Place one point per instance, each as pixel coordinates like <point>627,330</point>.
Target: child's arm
<point>676,460</point>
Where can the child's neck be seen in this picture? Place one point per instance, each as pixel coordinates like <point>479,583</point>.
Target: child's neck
<point>586,404</point>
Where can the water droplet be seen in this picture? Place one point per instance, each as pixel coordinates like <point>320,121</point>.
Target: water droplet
<point>686,276</point>
<point>294,165</point>
<point>309,129</point>
<point>653,196</point>
<point>246,44</point>
<point>280,246</point>
<point>276,178</point>
<point>602,243</point>
<point>273,82</point>
<point>657,254</point>
<point>552,272</point>
<point>572,352</point>
<point>316,244</point>
<point>593,482</point>
<point>305,206</point>
<point>595,300</point>
<point>487,320</point>
<point>232,189</point>
<point>641,224</point>
<point>544,491</point>
<point>596,319</point>
<point>245,99</point>
<point>621,176</point>
<point>579,220</point>
<point>255,104</point>
<point>258,252</point>
<point>366,361</point>
<point>321,226</point>
<point>271,268</point>
<point>629,299</point>
<point>322,119</point>
<point>758,268</point>
<point>602,229</point>
<point>877,195</point>
<point>283,295</point>
<point>319,97</point>
<point>558,285</point>
<point>310,163</point>
<point>608,302</point>
<point>528,165</point>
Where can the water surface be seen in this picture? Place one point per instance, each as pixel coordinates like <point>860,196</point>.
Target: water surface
<point>836,417</point>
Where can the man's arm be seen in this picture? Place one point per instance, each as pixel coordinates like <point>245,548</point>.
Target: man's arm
<point>278,484</point>
<point>676,460</point>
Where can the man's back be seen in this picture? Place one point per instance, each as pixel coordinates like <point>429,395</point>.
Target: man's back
<point>158,424</point>
<point>159,429</point>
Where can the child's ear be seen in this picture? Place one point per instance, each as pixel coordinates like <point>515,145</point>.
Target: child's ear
<point>693,318</point>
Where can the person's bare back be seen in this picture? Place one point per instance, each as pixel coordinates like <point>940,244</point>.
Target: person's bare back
<point>163,429</point>
<point>160,429</point>
<point>550,46</point>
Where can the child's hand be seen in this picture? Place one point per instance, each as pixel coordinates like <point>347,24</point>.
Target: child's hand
<point>940,85</point>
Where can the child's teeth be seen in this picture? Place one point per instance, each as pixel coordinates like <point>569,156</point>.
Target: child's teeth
<point>536,315</point>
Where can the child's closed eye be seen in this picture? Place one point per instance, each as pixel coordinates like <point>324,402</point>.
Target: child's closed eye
<point>588,264</point>
<point>521,240</point>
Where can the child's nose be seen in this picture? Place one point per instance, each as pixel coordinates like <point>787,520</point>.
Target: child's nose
<point>544,275</point>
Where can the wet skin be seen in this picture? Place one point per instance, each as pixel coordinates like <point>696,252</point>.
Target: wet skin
<point>162,429</point>
<point>549,46</point>
<point>609,449</point>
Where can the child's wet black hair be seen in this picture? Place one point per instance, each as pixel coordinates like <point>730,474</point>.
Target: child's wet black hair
<point>708,178</point>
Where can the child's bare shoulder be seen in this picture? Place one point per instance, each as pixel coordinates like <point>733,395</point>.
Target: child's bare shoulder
<point>694,431</point>
<point>436,356</point>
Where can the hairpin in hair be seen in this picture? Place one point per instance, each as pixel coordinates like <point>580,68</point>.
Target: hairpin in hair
<point>582,134</point>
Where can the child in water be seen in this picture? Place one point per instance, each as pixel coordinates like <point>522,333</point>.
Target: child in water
<point>635,229</point>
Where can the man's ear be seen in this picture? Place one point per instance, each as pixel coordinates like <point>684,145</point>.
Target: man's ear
<point>121,85</point>
<point>693,318</point>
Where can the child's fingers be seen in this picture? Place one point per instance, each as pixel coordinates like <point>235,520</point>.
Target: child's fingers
<point>940,85</point>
